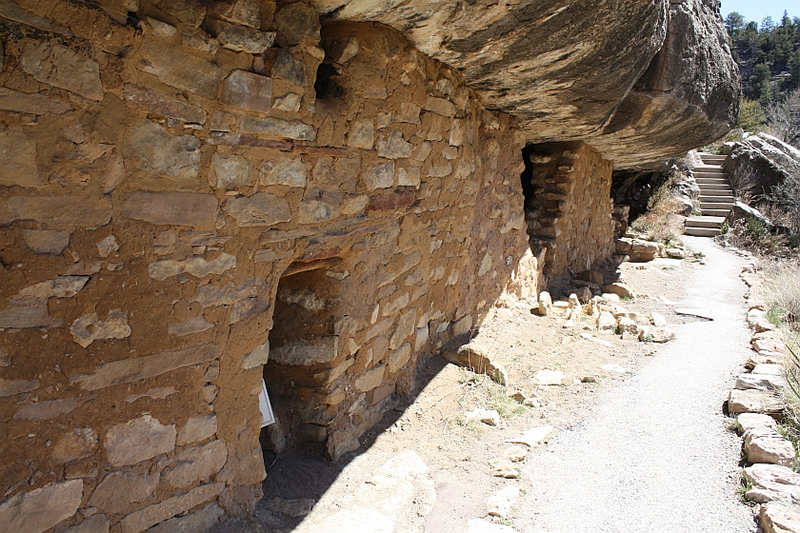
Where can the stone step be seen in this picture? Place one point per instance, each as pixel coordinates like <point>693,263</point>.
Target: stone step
<point>705,222</point>
<point>707,167</point>
<point>700,232</point>
<point>716,188</point>
<point>717,199</point>
<point>708,174</point>
<point>715,205</point>
<point>712,158</point>
<point>719,179</point>
<point>715,212</point>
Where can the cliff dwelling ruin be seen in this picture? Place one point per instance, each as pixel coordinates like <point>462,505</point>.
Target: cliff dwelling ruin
<point>196,195</point>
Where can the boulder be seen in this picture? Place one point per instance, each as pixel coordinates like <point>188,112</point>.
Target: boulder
<point>476,359</point>
<point>766,445</point>
<point>779,518</point>
<point>772,483</point>
<point>759,163</point>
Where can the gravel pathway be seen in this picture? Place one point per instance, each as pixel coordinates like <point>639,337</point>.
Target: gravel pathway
<point>656,455</point>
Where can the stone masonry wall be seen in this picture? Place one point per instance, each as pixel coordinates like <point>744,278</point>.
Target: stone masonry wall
<point>168,172</point>
<point>569,207</point>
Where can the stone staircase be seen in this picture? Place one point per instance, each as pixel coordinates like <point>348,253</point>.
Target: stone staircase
<point>716,197</point>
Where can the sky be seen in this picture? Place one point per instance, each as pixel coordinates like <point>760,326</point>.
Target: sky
<point>759,9</point>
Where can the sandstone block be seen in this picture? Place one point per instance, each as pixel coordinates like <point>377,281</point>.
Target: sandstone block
<point>11,387</point>
<point>371,379</point>
<point>145,366</point>
<point>41,509</point>
<point>257,357</point>
<point>240,38</point>
<point>378,176</point>
<point>45,241</point>
<point>392,145</point>
<point>766,445</point>
<point>233,171</point>
<point>286,67</point>
<point>47,409</point>
<point>362,134</point>
<point>295,21</point>
<point>94,524</point>
<point>36,104</point>
<point>753,401</point>
<point>119,490</point>
<point>60,67</point>
<point>779,518</point>
<point>152,149</point>
<point>18,159</point>
<point>197,464</point>
<point>189,327</point>
<point>490,417</point>
<point>57,211</point>
<point>284,171</point>
<point>243,12</point>
<point>410,177</point>
<point>247,90</point>
<point>316,211</point>
<point>90,328</point>
<point>440,106</point>
<point>197,428</point>
<point>306,352</point>
<point>618,288</point>
<point>772,483</point>
<point>755,420</point>
<point>138,440</point>
<point>196,522</point>
<point>477,359</point>
<point>150,516</point>
<point>180,69</point>
<point>290,129</point>
<point>549,377</point>
<point>173,208</point>
<point>392,201</point>
<point>260,209</point>
<point>763,382</point>
<point>77,444</point>
<point>196,266</point>
<point>161,104</point>
<point>399,358</point>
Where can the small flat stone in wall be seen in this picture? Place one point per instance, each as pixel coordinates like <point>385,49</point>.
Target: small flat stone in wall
<point>440,106</point>
<point>378,176</point>
<point>233,171</point>
<point>180,69</point>
<point>36,104</point>
<point>162,104</point>
<point>41,509</point>
<point>57,211</point>
<point>306,352</point>
<point>409,113</point>
<point>198,463</point>
<point>316,211</point>
<point>241,38</point>
<point>47,409</point>
<point>145,366</point>
<point>287,68</point>
<point>12,387</point>
<point>189,327</point>
<point>393,146</point>
<point>362,134</point>
<point>79,443</point>
<point>90,328</point>
<point>97,523</point>
<point>118,490</point>
<point>197,428</point>
<point>295,21</point>
<point>244,12</point>
<point>196,522</point>
<point>410,177</point>
<point>290,129</point>
<point>248,90</point>
<point>257,357</point>
<point>198,267</point>
<point>152,149</point>
<point>173,208</point>
<point>150,516</point>
<point>260,209</point>
<point>284,171</point>
<point>399,358</point>
<point>371,379</point>
<point>46,241</point>
<point>138,440</point>
<point>287,102</point>
<point>60,67</point>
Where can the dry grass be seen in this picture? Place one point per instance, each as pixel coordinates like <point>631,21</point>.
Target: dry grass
<point>781,291</point>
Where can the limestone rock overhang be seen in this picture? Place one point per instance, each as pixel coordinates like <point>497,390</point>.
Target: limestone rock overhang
<point>641,80</point>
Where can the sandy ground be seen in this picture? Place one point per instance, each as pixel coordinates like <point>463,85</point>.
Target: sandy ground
<point>639,440</point>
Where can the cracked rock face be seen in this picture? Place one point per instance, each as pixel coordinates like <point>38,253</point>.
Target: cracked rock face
<point>640,80</point>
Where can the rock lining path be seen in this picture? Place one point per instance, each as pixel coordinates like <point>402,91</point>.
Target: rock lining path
<point>657,456</point>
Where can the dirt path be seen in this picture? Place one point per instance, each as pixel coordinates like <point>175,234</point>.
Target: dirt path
<point>640,443</point>
<point>656,455</point>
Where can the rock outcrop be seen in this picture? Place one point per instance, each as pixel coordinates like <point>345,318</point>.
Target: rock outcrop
<point>759,163</point>
<point>641,81</point>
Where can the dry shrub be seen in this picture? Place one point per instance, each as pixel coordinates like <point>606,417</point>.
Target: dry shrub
<point>661,222</point>
<point>781,291</point>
